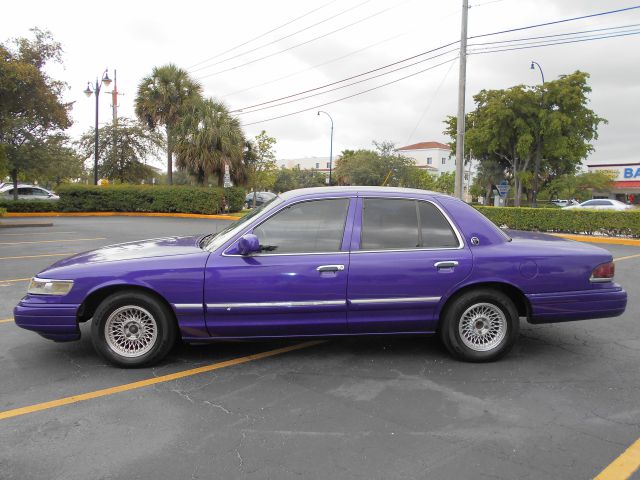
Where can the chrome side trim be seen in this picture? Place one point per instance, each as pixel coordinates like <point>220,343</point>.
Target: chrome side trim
<point>593,279</point>
<point>363,301</point>
<point>311,303</point>
<point>188,305</point>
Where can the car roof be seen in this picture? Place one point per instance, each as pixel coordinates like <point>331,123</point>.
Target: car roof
<point>321,191</point>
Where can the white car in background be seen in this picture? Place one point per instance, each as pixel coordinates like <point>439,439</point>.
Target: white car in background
<point>601,204</point>
<point>26,192</point>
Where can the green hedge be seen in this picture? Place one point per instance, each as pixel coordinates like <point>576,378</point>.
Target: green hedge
<point>2,212</point>
<point>234,198</point>
<point>29,205</point>
<point>134,198</point>
<point>625,223</point>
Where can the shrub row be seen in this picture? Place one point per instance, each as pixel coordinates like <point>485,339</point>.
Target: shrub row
<point>2,211</point>
<point>135,198</point>
<point>600,222</point>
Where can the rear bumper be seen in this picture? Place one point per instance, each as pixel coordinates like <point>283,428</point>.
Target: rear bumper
<point>580,305</point>
<point>55,321</point>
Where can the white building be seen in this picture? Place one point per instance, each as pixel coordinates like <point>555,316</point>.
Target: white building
<point>321,164</point>
<point>432,156</point>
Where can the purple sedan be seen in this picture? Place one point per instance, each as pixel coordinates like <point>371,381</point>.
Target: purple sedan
<point>326,262</point>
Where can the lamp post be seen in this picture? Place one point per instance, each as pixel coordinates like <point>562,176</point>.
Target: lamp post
<point>538,159</point>
<point>331,145</point>
<point>96,90</point>
<point>533,67</point>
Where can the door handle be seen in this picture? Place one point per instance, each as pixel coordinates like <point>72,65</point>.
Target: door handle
<point>330,268</point>
<point>446,264</point>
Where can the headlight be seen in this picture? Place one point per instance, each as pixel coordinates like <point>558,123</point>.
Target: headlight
<point>41,286</point>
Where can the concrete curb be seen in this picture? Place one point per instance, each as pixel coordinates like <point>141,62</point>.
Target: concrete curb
<point>24,225</point>
<point>118,214</point>
<point>592,239</point>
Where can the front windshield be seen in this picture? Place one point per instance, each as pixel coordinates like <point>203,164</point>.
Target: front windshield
<point>214,241</point>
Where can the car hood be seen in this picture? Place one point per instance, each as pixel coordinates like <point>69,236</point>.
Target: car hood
<point>155,247</point>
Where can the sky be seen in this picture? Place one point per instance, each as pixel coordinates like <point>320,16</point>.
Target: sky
<point>355,36</point>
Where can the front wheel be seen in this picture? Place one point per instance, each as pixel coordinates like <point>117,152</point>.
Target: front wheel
<point>133,329</point>
<point>480,326</point>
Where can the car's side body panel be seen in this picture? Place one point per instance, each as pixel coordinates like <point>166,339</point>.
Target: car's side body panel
<point>220,294</point>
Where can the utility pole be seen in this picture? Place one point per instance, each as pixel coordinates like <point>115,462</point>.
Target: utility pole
<point>462,81</point>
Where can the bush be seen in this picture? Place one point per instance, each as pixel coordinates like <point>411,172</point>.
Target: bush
<point>144,198</point>
<point>625,223</point>
<point>2,212</point>
<point>234,198</point>
<point>22,206</point>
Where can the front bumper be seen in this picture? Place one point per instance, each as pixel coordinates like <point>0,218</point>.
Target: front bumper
<point>55,321</point>
<point>580,305</point>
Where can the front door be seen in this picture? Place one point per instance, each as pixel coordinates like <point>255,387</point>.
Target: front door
<point>295,285</point>
<point>406,257</point>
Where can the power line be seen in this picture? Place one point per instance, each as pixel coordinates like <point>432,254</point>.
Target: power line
<point>428,107</point>
<point>349,78</point>
<point>559,34</point>
<point>352,95</point>
<point>313,67</point>
<point>343,86</point>
<point>476,52</point>
<point>380,12</point>
<point>527,46</point>
<point>555,22</point>
<point>282,38</point>
<point>264,34</point>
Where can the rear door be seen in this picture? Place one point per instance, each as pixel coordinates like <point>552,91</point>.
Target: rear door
<point>406,256</point>
<point>296,284</point>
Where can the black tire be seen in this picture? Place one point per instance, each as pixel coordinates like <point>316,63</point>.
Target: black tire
<point>152,320</point>
<point>497,317</point>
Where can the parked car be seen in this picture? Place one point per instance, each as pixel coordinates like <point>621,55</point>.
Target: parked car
<point>27,192</point>
<point>601,204</point>
<point>564,203</point>
<point>326,261</point>
<point>261,199</point>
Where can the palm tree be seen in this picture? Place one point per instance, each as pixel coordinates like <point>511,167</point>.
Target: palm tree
<point>208,138</point>
<point>161,100</point>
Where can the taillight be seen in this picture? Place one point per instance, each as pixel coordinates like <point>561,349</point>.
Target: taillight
<point>603,272</point>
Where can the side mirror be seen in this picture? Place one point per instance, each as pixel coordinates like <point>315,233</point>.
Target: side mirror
<point>248,243</point>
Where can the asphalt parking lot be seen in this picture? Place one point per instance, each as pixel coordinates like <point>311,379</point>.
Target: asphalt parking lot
<point>564,404</point>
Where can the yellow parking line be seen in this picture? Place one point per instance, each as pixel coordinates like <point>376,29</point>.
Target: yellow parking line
<point>15,280</point>
<point>627,257</point>
<point>36,256</point>
<point>6,320</point>
<point>623,466</point>
<point>30,234</point>
<point>150,381</point>
<point>54,241</point>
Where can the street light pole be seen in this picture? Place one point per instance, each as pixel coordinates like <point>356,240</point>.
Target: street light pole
<point>96,90</point>
<point>533,67</point>
<point>538,159</point>
<point>331,145</point>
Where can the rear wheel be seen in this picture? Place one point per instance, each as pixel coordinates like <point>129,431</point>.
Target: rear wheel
<point>133,329</point>
<point>480,326</point>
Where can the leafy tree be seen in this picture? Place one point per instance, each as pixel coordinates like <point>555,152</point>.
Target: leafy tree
<point>383,166</point>
<point>124,149</point>
<point>261,163</point>
<point>161,101</point>
<point>58,162</point>
<point>31,105</point>
<point>208,138</point>
<point>545,130</point>
<point>292,178</point>
<point>580,186</point>
<point>423,179</point>
<point>445,183</point>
